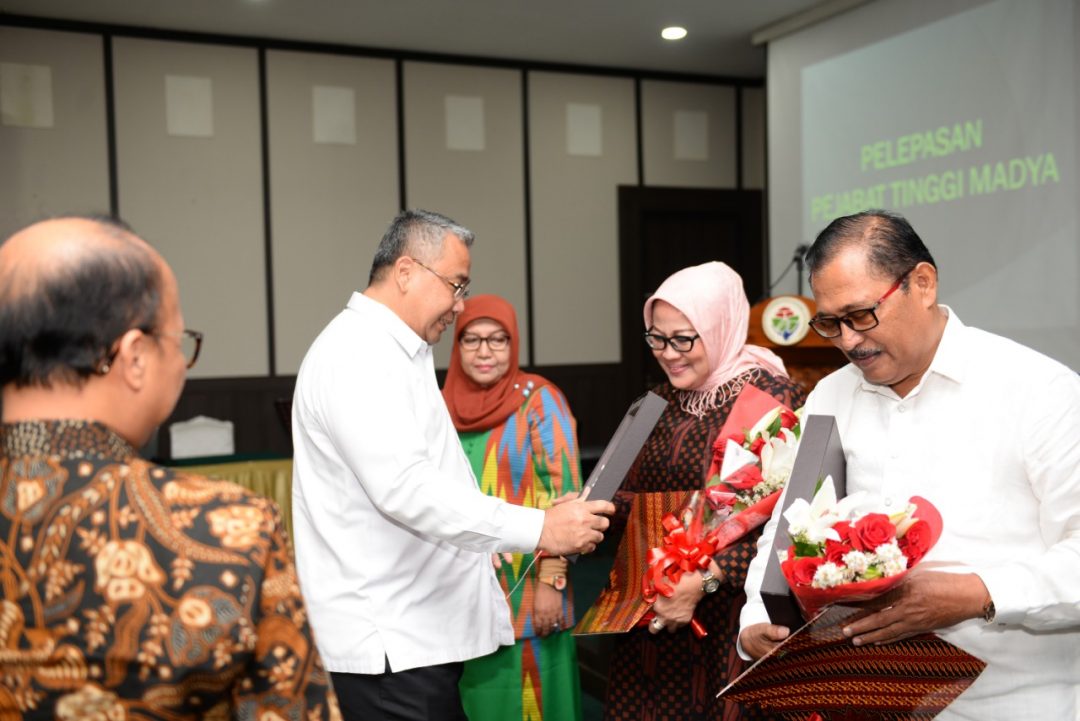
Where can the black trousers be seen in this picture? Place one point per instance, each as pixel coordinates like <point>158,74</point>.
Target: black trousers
<point>429,693</point>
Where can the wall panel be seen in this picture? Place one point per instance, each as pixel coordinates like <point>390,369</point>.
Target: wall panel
<point>689,134</point>
<point>575,212</point>
<point>198,199</point>
<point>330,201</point>
<point>63,168</point>
<point>464,158</point>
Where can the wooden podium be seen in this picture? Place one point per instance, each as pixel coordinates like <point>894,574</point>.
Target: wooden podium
<point>781,324</point>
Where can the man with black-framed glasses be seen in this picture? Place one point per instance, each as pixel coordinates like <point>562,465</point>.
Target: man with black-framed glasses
<point>393,535</point>
<point>988,431</point>
<point>130,589</point>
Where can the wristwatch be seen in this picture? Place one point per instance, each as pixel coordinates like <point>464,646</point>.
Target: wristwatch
<point>989,612</point>
<point>558,581</point>
<point>709,582</point>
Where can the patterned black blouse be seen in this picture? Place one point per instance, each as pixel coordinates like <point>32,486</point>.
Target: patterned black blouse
<point>676,675</point>
<point>133,591</point>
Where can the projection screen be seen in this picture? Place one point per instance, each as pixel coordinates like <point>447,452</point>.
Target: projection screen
<point>959,114</point>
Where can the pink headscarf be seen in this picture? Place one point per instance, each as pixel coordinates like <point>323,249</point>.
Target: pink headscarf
<point>712,298</point>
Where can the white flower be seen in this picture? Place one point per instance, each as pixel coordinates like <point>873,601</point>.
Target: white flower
<point>904,520</point>
<point>894,566</point>
<point>888,552</point>
<point>813,522</point>
<point>828,575</point>
<point>764,422</point>
<point>778,457</point>
<point>857,561</point>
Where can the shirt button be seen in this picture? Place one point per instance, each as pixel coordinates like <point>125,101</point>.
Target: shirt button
<point>901,408</point>
<point>888,501</point>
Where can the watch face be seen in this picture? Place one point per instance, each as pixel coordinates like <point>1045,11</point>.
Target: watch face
<point>710,585</point>
<point>559,582</point>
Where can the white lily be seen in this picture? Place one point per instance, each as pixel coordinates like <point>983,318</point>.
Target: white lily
<point>764,422</point>
<point>813,521</point>
<point>778,457</point>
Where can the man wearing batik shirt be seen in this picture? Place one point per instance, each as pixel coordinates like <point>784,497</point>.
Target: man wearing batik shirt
<point>982,427</point>
<point>130,591</point>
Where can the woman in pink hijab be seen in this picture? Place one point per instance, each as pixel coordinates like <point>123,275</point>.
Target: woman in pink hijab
<point>695,324</point>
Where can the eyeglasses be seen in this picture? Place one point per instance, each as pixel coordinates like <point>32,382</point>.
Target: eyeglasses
<point>494,342</point>
<point>190,343</point>
<point>680,343</point>
<point>461,290</point>
<point>859,320</point>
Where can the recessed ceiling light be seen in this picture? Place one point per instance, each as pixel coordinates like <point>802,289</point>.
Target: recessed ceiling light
<point>673,33</point>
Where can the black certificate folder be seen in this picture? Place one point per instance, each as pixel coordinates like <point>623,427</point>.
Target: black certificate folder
<point>623,448</point>
<point>820,454</point>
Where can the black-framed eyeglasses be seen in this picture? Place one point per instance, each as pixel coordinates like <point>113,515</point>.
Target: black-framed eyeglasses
<point>680,343</point>
<point>499,341</point>
<point>461,290</point>
<point>190,343</point>
<point>859,320</point>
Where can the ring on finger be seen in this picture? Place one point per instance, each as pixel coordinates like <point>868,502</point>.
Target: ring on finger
<point>657,623</point>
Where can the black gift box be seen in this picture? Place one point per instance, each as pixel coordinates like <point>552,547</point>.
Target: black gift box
<point>623,448</point>
<point>820,454</point>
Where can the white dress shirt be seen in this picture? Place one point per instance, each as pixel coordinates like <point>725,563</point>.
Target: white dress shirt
<point>393,536</point>
<point>991,436</point>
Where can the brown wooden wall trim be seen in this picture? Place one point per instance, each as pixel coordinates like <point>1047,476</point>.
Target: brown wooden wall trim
<point>595,393</point>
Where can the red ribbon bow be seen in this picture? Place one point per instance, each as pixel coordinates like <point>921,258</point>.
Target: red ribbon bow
<point>678,554</point>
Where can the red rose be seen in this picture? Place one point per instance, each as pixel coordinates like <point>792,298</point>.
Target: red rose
<point>745,478</point>
<point>787,418</point>
<point>871,531</point>
<point>718,456</point>
<point>720,447</point>
<point>836,550</point>
<point>844,529</point>
<point>916,542</point>
<point>757,445</point>
<point>803,569</point>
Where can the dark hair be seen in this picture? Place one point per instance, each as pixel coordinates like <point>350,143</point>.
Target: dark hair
<point>892,245</point>
<point>61,325</point>
<point>415,232</point>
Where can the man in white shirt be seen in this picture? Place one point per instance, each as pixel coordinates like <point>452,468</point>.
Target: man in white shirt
<point>987,430</point>
<point>393,536</point>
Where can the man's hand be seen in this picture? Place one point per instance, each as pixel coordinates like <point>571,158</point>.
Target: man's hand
<point>676,611</point>
<point>924,602</point>
<point>567,497</point>
<point>759,639</point>
<point>547,610</point>
<point>574,527</point>
<point>498,559</point>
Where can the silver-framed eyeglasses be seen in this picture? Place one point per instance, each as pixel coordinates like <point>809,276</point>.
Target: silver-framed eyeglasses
<point>496,342</point>
<point>190,343</point>
<point>461,290</point>
<point>859,320</point>
<point>680,343</point>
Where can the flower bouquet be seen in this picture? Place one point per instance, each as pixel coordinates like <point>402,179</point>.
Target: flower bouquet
<point>853,549</point>
<point>752,460</point>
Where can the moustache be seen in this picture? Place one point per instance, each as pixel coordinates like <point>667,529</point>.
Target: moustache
<point>861,353</point>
